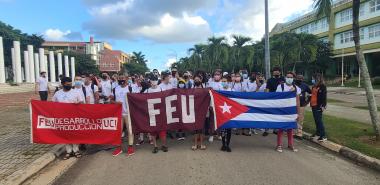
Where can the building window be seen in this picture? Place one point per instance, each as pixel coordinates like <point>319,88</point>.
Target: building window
<point>305,29</point>
<point>374,5</point>
<point>346,15</point>
<point>313,26</point>
<point>374,31</point>
<point>347,37</point>
<point>323,23</point>
<point>361,10</point>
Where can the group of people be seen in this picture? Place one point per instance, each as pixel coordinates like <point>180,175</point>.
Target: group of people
<point>91,89</point>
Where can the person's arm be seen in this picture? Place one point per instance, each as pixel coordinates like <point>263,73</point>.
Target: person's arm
<point>323,97</point>
<point>96,94</point>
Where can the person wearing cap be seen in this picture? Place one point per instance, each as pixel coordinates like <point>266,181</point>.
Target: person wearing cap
<point>174,77</point>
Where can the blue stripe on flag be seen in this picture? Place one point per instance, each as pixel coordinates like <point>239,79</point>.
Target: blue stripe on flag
<point>258,95</point>
<point>277,111</point>
<point>259,124</point>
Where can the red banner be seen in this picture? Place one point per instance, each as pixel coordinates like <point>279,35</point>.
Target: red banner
<point>169,110</point>
<point>66,123</point>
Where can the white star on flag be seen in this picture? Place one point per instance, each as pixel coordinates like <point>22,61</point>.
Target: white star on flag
<point>226,108</point>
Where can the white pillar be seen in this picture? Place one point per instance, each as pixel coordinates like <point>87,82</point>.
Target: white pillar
<point>2,67</point>
<point>37,64</point>
<point>41,52</point>
<point>26,66</point>
<point>13,64</point>
<point>72,59</point>
<point>59,58</point>
<point>67,71</point>
<point>16,45</point>
<point>31,64</point>
<point>52,66</point>
<point>46,67</point>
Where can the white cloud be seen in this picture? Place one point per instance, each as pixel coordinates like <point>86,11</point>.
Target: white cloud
<point>170,62</point>
<point>58,35</point>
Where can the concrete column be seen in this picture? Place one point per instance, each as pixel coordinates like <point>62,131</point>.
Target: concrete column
<point>16,45</point>
<point>13,64</point>
<point>67,71</point>
<point>72,60</point>
<point>31,64</point>
<point>37,64</point>
<point>26,66</point>
<point>41,52</point>
<point>46,67</point>
<point>59,58</point>
<point>2,67</point>
<point>52,66</point>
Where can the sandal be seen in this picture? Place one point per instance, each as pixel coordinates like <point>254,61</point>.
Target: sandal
<point>194,147</point>
<point>67,156</point>
<point>203,147</point>
<point>78,155</point>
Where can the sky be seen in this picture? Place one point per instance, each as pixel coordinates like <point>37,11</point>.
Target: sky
<point>163,30</point>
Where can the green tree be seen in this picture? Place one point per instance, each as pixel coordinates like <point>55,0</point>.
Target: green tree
<point>83,63</point>
<point>137,64</point>
<point>239,48</point>
<point>323,8</point>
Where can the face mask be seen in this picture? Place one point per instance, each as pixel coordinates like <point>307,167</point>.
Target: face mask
<point>78,83</point>
<point>313,81</point>
<point>237,79</point>
<point>181,85</point>
<point>197,83</point>
<point>121,82</point>
<point>217,77</point>
<point>289,81</point>
<point>245,76</point>
<point>276,76</point>
<point>174,73</point>
<point>186,77</point>
<point>66,87</point>
<point>129,81</point>
<point>154,82</point>
<point>104,77</point>
<point>298,82</point>
<point>224,85</point>
<point>261,81</point>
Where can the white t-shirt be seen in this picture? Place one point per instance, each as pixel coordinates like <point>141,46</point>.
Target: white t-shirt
<point>215,85</point>
<point>121,96</point>
<point>173,81</point>
<point>135,88</point>
<point>106,87</point>
<point>114,84</point>
<point>165,87</point>
<point>262,88</point>
<point>238,87</point>
<point>151,90</point>
<point>251,86</point>
<point>42,84</point>
<point>90,93</point>
<point>81,94</point>
<point>66,97</point>
<point>288,88</point>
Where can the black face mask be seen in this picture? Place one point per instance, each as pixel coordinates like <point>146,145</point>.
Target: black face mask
<point>104,77</point>
<point>298,82</point>
<point>197,83</point>
<point>185,77</point>
<point>261,81</point>
<point>121,82</point>
<point>174,73</point>
<point>67,87</point>
<point>276,76</point>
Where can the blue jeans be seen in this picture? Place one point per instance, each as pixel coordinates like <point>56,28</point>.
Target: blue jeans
<point>317,114</point>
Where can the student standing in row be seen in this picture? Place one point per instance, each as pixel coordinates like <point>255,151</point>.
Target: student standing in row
<point>42,86</point>
<point>318,104</point>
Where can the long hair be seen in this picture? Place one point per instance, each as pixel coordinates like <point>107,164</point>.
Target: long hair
<point>319,79</point>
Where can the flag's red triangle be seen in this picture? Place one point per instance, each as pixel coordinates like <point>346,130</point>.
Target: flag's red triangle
<point>225,108</point>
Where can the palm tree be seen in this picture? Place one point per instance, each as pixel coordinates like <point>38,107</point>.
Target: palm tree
<point>216,51</point>
<point>307,48</point>
<point>239,42</point>
<point>323,8</point>
<point>196,55</point>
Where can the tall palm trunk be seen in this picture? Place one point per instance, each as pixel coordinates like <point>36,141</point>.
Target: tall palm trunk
<point>364,70</point>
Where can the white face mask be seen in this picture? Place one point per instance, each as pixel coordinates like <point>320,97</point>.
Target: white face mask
<point>289,80</point>
<point>181,85</point>
<point>154,82</point>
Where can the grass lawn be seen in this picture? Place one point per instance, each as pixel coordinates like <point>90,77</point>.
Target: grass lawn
<point>355,135</point>
<point>352,83</point>
<point>335,101</point>
<point>365,107</point>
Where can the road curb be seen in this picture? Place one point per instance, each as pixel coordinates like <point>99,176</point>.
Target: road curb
<point>349,153</point>
<point>22,175</point>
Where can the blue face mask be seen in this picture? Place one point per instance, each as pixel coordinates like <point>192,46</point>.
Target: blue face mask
<point>224,84</point>
<point>313,81</point>
<point>78,83</point>
<point>129,81</point>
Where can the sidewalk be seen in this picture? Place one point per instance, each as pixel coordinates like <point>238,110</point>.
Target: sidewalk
<point>351,91</point>
<point>16,151</point>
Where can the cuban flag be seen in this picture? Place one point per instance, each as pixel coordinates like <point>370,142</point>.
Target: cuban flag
<point>276,110</point>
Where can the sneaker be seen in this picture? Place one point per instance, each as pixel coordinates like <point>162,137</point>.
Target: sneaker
<point>131,151</point>
<point>275,132</point>
<point>140,142</point>
<point>292,148</point>
<point>211,139</point>
<point>117,151</point>
<point>155,150</point>
<point>164,148</point>
<point>224,148</point>
<point>123,134</point>
<point>228,149</point>
<point>254,131</point>
<point>279,149</point>
<point>265,134</point>
<point>219,137</point>
<point>181,138</point>
<point>322,139</point>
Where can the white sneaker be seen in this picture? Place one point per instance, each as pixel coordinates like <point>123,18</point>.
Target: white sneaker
<point>122,134</point>
<point>211,139</point>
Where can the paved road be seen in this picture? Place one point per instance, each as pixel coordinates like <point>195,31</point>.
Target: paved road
<point>252,161</point>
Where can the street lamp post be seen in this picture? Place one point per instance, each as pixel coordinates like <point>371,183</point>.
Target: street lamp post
<point>342,68</point>
<point>267,54</point>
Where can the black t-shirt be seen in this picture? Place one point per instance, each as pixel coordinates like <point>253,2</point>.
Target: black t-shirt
<point>272,83</point>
